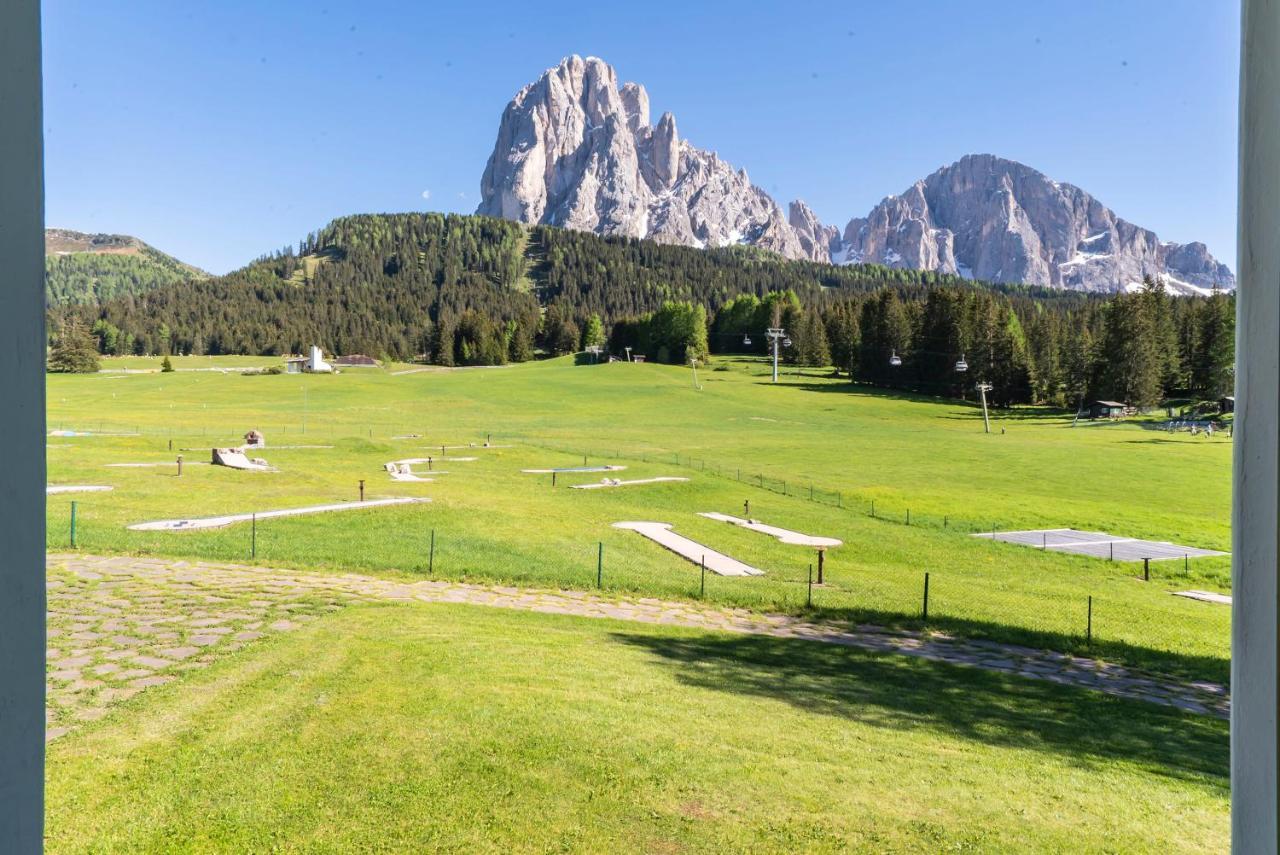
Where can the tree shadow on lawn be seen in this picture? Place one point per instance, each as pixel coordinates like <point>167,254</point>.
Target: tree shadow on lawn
<point>904,693</point>
<point>1022,413</point>
<point>1159,662</point>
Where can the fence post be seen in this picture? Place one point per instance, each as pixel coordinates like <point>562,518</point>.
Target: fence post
<point>702,590</point>
<point>1111,546</point>
<point>553,479</point>
<point>600,564</point>
<point>73,525</point>
<point>1146,569</point>
<point>431,559</point>
<point>809,598</point>
<point>811,491</point>
<point>908,516</point>
<point>253,538</point>
<point>946,521</point>
<point>362,489</point>
<point>924,612</point>
<point>1088,627</point>
<point>873,508</point>
<point>1186,564</point>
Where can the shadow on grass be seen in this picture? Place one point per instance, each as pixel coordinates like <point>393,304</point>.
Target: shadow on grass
<point>904,693</point>
<point>1163,662</point>
<point>844,386</point>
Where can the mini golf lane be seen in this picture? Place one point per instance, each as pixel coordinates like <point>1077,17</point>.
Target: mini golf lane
<point>219,522</point>
<point>575,469</point>
<point>613,483</point>
<point>785,535</point>
<point>717,562</point>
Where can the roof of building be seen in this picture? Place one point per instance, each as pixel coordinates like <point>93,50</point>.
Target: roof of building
<point>355,359</point>
<point>1109,404</point>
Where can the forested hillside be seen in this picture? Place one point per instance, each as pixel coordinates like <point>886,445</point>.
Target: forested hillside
<point>476,290</point>
<point>91,269</point>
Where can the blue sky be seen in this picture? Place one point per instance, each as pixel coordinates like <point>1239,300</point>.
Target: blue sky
<point>220,131</point>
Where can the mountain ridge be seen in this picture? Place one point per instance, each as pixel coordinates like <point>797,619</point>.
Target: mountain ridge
<point>84,267</point>
<point>576,149</point>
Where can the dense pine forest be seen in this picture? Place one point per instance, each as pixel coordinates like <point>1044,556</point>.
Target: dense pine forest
<point>98,277</point>
<point>467,290</point>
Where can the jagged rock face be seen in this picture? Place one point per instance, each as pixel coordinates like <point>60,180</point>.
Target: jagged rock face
<point>1000,221</point>
<point>575,150</point>
<point>816,240</point>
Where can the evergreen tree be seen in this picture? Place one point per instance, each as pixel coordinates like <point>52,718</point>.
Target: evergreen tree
<point>812,348</point>
<point>1217,346</point>
<point>74,351</point>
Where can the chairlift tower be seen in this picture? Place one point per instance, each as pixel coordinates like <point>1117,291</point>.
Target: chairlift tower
<point>983,389</point>
<point>776,335</point>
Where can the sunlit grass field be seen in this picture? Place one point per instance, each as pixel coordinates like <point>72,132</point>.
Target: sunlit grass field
<point>490,521</point>
<point>415,728</point>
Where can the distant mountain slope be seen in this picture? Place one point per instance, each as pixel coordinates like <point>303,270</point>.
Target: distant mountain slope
<point>397,284</point>
<point>576,149</point>
<point>1001,221</point>
<point>94,268</point>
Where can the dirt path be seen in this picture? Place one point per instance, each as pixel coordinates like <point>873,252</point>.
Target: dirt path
<point>118,625</point>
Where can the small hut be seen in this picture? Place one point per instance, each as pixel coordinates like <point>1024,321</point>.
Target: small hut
<point>1107,410</point>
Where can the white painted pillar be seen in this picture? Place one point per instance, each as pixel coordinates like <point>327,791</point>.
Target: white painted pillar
<point>1255,531</point>
<point>22,354</point>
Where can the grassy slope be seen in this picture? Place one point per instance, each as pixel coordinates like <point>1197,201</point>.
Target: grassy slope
<point>415,728</point>
<point>494,523</point>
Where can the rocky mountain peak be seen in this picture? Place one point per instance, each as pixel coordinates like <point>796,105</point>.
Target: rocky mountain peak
<point>576,149</point>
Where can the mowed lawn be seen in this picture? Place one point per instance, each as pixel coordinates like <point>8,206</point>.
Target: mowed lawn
<point>458,728</point>
<point>492,522</point>
<point>906,452</point>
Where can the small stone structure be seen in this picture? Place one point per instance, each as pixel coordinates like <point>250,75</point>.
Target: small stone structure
<point>254,439</point>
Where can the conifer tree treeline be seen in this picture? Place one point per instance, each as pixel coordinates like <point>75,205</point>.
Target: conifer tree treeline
<point>467,290</point>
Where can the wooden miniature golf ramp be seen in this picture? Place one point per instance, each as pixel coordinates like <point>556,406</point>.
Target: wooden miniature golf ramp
<point>785,535</point>
<point>691,550</point>
<point>229,519</point>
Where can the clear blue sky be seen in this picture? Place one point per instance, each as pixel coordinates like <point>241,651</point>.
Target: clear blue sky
<point>218,131</point>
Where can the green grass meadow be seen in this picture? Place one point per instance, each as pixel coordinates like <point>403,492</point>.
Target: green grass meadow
<point>492,522</point>
<point>415,728</point>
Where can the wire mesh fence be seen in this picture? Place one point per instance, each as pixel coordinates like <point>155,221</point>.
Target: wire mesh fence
<point>1018,609</point>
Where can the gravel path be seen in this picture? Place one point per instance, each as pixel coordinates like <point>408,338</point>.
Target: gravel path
<point>118,625</point>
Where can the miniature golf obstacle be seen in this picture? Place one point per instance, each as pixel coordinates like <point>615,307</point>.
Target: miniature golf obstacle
<point>575,469</point>
<point>155,464</point>
<point>785,535</point>
<point>53,489</point>
<point>614,482</point>
<point>401,471</point>
<point>235,458</point>
<point>691,550</point>
<point>1096,544</point>
<point>1204,596</point>
<point>218,522</point>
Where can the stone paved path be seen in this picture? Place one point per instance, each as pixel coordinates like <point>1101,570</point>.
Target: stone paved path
<point>118,625</point>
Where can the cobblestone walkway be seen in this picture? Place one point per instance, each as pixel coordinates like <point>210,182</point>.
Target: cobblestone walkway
<point>118,625</point>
